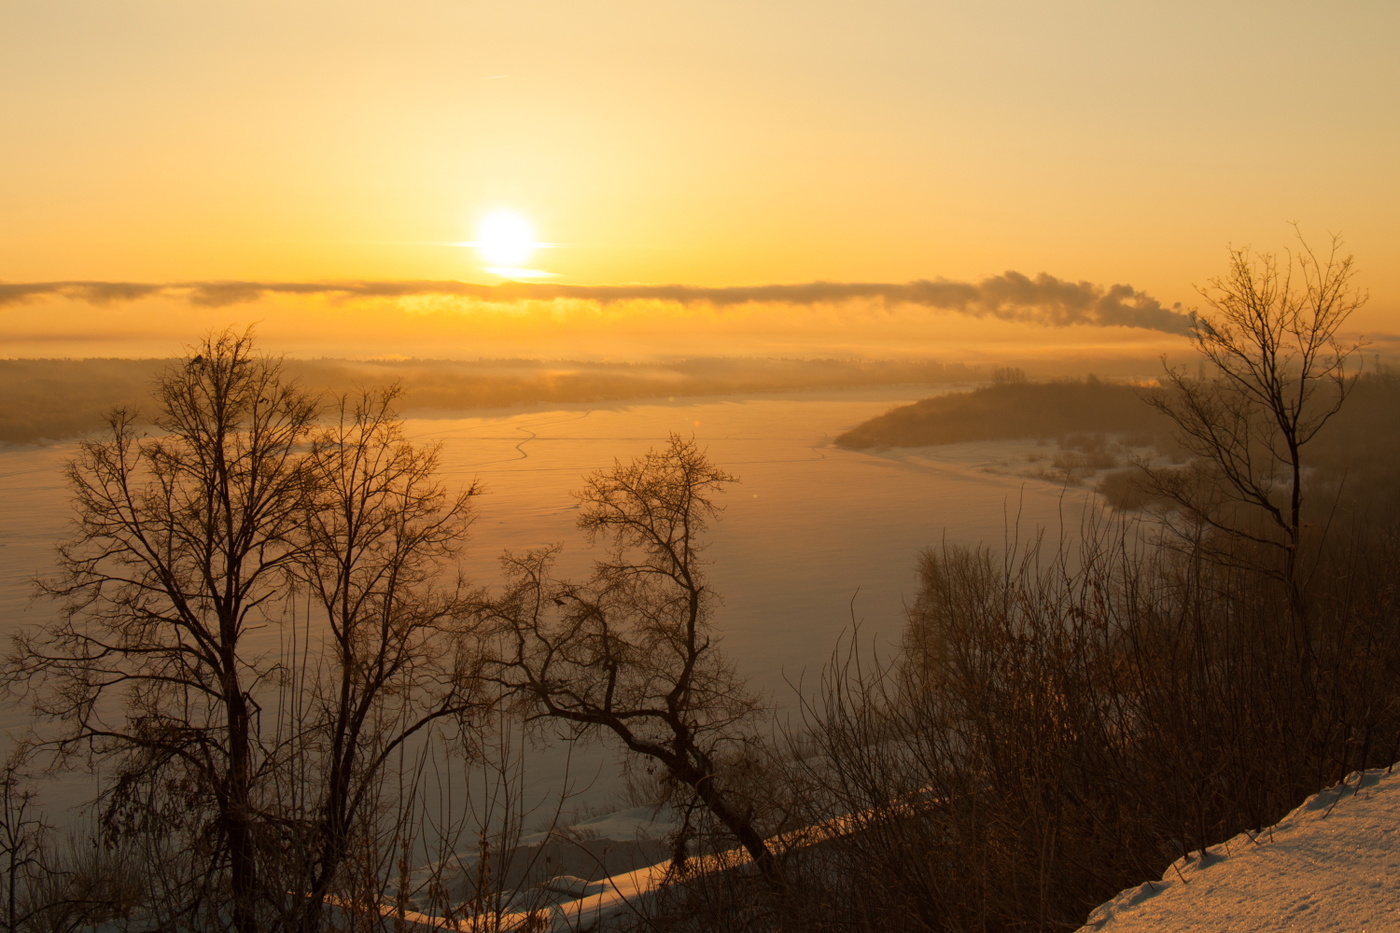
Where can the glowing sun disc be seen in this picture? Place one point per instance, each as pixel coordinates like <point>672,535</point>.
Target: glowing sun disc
<point>504,238</point>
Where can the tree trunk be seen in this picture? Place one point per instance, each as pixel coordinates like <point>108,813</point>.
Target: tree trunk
<point>738,824</point>
<point>237,815</point>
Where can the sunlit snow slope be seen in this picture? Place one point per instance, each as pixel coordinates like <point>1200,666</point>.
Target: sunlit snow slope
<point>1330,865</point>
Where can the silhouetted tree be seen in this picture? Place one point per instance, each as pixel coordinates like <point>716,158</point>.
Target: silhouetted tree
<point>631,654</point>
<point>1278,371</point>
<point>22,851</point>
<point>183,544</point>
<point>246,742</point>
<point>380,530</point>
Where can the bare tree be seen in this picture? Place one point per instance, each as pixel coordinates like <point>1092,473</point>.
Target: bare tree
<point>1278,371</point>
<point>380,531</point>
<point>182,543</point>
<point>22,842</point>
<point>249,734</point>
<point>630,654</point>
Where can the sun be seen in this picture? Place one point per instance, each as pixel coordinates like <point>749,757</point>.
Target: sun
<point>505,239</point>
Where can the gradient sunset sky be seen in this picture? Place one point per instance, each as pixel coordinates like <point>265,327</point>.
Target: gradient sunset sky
<point>714,146</point>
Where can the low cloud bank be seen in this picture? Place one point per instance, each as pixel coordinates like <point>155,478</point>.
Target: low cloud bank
<point>1011,296</point>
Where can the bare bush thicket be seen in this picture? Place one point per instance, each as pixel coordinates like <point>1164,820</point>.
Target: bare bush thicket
<point>1064,725</point>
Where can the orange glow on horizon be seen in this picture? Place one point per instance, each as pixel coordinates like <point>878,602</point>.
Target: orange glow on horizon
<point>368,147</point>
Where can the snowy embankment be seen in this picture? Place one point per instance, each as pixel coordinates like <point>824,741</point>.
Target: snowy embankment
<point>589,904</point>
<point>1330,865</point>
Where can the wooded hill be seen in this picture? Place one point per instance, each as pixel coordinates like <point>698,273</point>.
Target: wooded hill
<point>1355,455</point>
<point>1012,410</point>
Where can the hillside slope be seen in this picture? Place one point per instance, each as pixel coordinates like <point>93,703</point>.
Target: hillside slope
<point>1330,865</point>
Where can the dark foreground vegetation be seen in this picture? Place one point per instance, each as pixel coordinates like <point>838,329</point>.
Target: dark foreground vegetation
<point>1065,720</point>
<point>263,646</point>
<point>56,399</point>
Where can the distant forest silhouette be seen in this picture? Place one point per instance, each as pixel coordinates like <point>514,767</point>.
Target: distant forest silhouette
<point>1010,410</point>
<point>56,399</point>
<point>1098,423</point>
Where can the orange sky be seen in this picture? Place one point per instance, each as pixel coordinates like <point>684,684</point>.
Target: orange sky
<point>715,144</point>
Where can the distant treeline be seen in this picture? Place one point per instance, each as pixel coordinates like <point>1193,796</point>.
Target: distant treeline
<point>1354,457</point>
<point>1013,409</point>
<point>1361,444</point>
<point>55,399</point>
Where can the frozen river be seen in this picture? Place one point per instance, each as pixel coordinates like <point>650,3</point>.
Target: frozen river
<point>812,537</point>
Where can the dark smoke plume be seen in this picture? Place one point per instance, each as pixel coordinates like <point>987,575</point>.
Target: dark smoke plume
<point>1011,296</point>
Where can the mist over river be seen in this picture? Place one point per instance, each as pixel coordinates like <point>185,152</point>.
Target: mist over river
<point>812,537</point>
